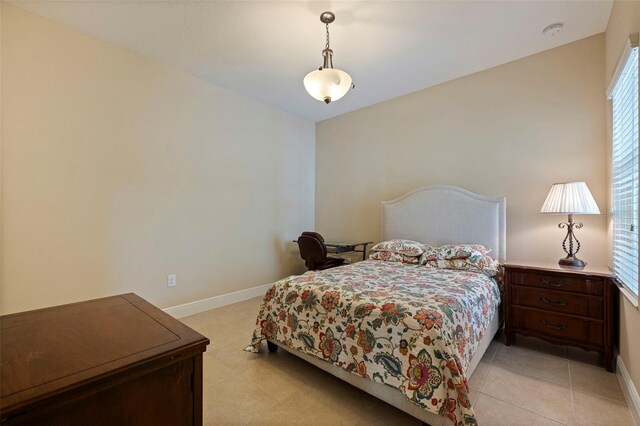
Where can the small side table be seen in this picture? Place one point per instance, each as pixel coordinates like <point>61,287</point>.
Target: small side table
<point>562,305</point>
<point>110,361</point>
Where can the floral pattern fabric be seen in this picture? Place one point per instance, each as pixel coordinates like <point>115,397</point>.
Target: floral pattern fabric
<point>408,326</point>
<point>480,263</point>
<point>460,251</point>
<point>389,256</point>
<point>406,247</point>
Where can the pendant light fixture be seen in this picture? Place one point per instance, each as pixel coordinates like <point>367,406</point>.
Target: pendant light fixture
<point>327,83</point>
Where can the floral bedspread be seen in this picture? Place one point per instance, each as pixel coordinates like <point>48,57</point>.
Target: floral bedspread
<point>411,327</point>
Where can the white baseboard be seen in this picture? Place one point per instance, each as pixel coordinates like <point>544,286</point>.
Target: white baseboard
<point>216,301</point>
<point>629,389</point>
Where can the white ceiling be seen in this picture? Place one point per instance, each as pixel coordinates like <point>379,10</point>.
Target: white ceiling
<point>263,49</point>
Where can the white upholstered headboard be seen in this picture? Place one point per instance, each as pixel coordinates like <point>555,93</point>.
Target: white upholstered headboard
<point>445,214</point>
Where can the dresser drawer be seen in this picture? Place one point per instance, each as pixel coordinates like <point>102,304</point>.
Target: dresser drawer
<point>557,301</point>
<point>575,284</point>
<point>574,329</point>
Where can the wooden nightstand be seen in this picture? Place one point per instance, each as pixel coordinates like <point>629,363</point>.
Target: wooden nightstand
<point>561,305</point>
<point>112,361</point>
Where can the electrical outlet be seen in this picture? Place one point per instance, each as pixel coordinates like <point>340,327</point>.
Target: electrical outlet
<point>171,280</point>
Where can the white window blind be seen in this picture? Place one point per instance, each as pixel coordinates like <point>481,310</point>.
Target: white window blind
<point>624,191</point>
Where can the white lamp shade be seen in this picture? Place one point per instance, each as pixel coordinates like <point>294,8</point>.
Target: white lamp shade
<point>327,83</point>
<point>570,198</point>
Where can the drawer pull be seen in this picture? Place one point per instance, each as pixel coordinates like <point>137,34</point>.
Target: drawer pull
<point>554,302</point>
<point>553,284</point>
<point>558,326</point>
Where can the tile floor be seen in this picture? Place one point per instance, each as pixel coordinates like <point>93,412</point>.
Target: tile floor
<point>529,383</point>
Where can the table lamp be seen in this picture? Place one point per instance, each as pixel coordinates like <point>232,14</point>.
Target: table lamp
<point>570,198</point>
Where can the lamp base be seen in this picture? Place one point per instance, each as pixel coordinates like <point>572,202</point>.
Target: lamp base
<point>572,261</point>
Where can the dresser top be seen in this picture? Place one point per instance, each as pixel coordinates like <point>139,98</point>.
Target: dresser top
<point>593,270</point>
<point>53,350</point>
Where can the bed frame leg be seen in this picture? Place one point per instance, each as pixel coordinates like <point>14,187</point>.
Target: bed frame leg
<point>272,347</point>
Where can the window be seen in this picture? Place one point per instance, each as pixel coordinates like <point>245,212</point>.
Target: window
<point>624,168</point>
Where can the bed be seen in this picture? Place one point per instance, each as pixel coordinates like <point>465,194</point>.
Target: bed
<point>407,334</point>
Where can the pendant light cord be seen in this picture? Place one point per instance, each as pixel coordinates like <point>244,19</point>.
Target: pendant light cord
<point>330,61</point>
<point>327,45</point>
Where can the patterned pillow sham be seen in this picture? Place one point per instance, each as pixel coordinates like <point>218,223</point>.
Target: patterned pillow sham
<point>458,251</point>
<point>405,247</point>
<point>485,264</point>
<point>388,256</point>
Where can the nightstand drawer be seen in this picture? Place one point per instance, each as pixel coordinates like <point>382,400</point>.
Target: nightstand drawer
<point>575,284</point>
<point>575,329</point>
<point>557,301</point>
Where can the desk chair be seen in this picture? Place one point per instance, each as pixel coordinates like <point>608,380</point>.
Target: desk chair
<point>314,252</point>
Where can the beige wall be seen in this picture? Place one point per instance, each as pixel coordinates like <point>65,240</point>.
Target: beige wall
<point>117,171</point>
<point>511,130</point>
<point>624,20</point>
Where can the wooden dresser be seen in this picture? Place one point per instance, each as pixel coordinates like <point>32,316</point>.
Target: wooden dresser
<point>561,305</point>
<point>112,361</point>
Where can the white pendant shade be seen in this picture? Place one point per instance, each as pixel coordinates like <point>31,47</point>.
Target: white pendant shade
<point>570,198</point>
<point>328,84</point>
